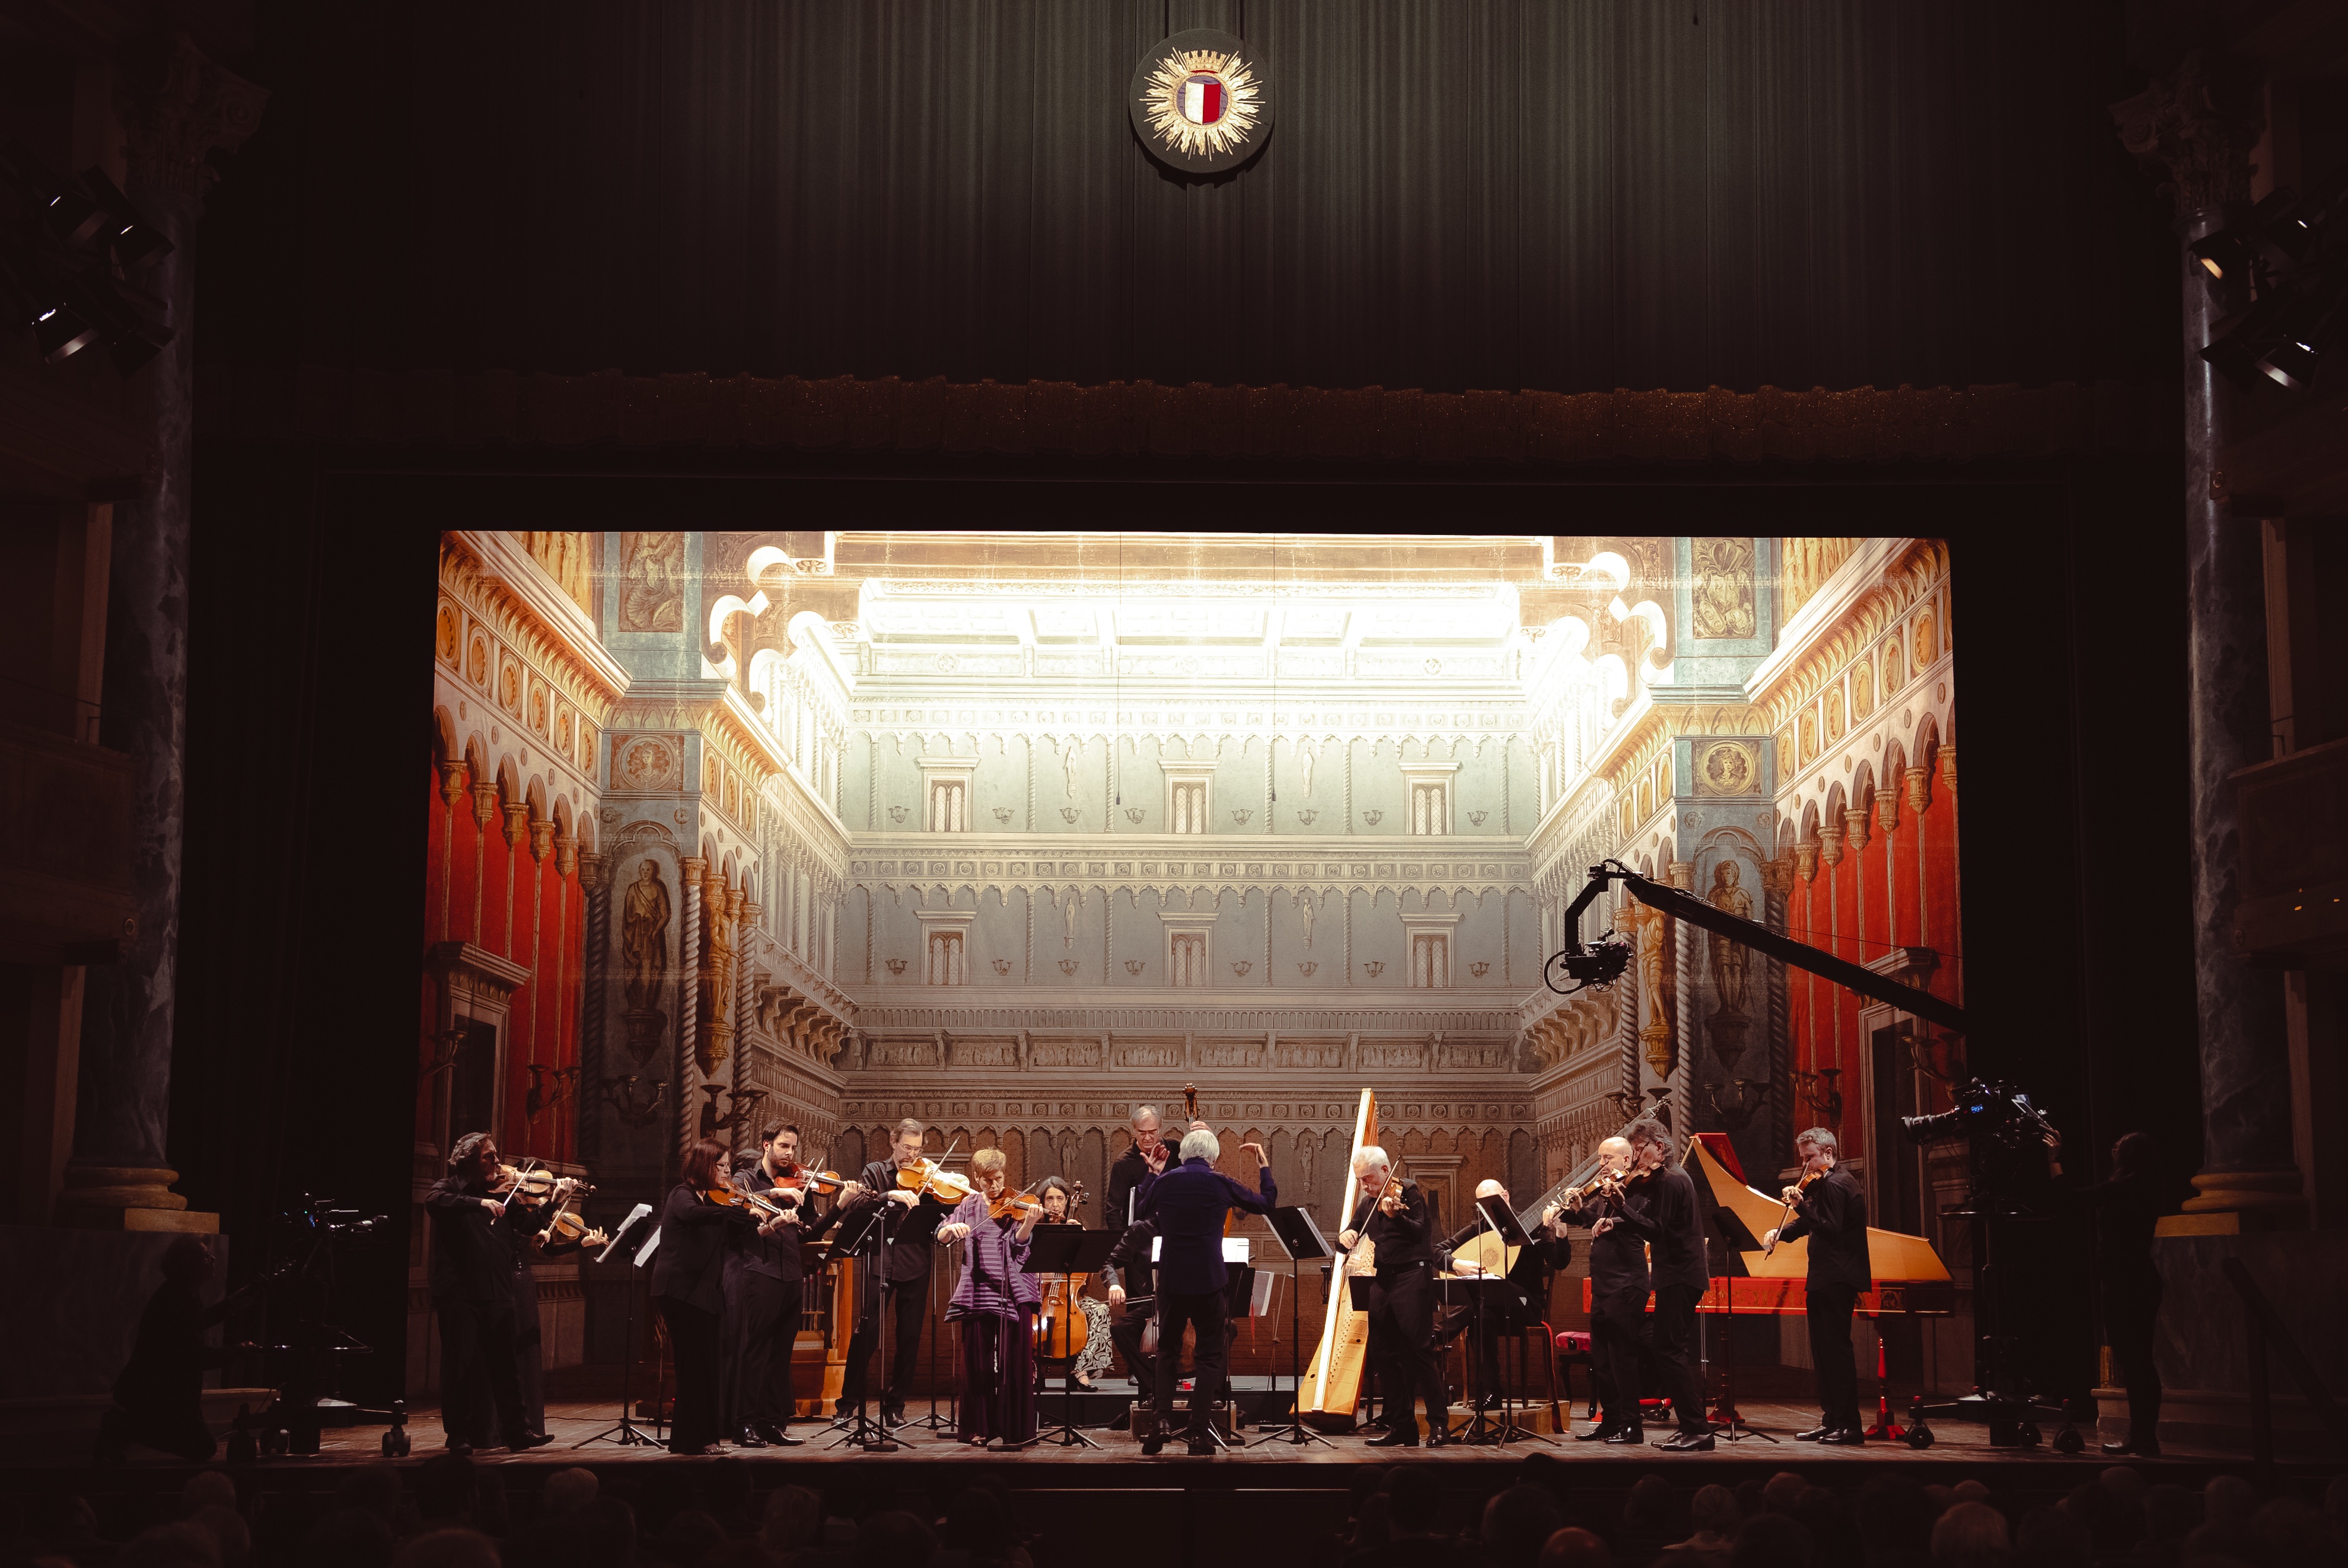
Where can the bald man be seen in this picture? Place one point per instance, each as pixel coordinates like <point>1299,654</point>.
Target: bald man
<point>1551,1251</point>
<point>1618,1299</point>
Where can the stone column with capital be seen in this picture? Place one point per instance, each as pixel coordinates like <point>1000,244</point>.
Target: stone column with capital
<point>595,886</point>
<point>745,1001</point>
<point>178,106</point>
<point>2193,130</point>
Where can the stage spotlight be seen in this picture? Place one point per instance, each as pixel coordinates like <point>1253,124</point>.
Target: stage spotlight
<point>2240,341</point>
<point>2307,333</point>
<point>60,333</point>
<point>2227,253</point>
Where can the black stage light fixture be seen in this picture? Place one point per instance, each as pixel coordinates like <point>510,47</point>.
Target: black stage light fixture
<point>2238,342</point>
<point>60,333</point>
<point>2307,333</point>
<point>2227,252</point>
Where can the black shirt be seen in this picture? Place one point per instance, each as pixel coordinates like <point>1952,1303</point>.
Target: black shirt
<point>1130,1257</point>
<point>1618,1260</point>
<point>1832,1211</point>
<point>2127,1209</point>
<point>472,1256</point>
<point>912,1232</point>
<point>1660,1211</point>
<point>694,1236</point>
<point>1401,1238</point>
<point>1125,1175</point>
<point>777,1256</point>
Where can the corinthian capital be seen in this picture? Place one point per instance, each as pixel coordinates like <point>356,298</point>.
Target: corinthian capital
<point>1830,845</point>
<point>1854,828</point>
<point>176,105</point>
<point>2193,130</point>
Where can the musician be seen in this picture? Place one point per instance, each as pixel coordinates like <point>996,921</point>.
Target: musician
<point>472,1265</point>
<point>1130,1333</point>
<point>1618,1296</point>
<point>996,1302</point>
<point>904,1275</point>
<point>766,1293</point>
<point>1830,1208</point>
<point>1550,1250</point>
<point>688,1287</point>
<point>1662,1211</point>
<point>1187,1206</point>
<point>1147,1156</point>
<point>1402,1299</point>
<point>1056,1198</point>
<point>526,1218</point>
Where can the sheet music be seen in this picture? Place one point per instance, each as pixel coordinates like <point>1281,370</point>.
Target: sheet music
<point>620,1234</point>
<point>1235,1249</point>
<point>1260,1298</point>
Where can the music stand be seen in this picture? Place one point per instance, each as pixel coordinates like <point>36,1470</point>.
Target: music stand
<point>1065,1250</point>
<point>863,1431</point>
<point>624,1431</point>
<point>1300,1237</point>
<point>1501,1221</point>
<point>1732,1429</point>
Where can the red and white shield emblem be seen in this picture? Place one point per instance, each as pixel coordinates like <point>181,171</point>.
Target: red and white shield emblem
<point>1203,98</point>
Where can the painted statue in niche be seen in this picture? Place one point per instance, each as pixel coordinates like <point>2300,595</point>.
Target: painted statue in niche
<point>566,558</point>
<point>651,582</point>
<point>1723,587</point>
<point>644,934</point>
<point>1070,755</point>
<point>1732,962</point>
<point>1069,918</point>
<point>1304,771</point>
<point>1306,898</point>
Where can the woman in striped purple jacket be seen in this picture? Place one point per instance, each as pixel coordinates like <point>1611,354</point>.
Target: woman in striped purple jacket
<point>995,1302</point>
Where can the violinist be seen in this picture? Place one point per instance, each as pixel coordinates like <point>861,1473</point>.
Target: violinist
<point>1618,1294</point>
<point>532,1199</point>
<point>472,1287</point>
<point>766,1293</point>
<point>1093,1359</point>
<point>688,1287</point>
<point>1662,1211</point>
<point>1831,1209</point>
<point>1395,1216</point>
<point>996,1302</point>
<point>903,1275</point>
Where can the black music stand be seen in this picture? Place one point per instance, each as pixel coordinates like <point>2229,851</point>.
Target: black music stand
<point>1065,1249</point>
<point>863,1431</point>
<point>1732,1427</point>
<point>1501,1220</point>
<point>1302,1240</point>
<point>624,1431</point>
<point>934,1422</point>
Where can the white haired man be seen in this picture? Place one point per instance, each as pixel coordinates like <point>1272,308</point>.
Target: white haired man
<point>1830,1210</point>
<point>1187,1206</point>
<point>1662,1211</point>
<point>1402,1300</point>
<point>1144,1159</point>
<point>1618,1297</point>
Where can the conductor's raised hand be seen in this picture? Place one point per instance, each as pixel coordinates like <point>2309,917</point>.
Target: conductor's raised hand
<point>1262,1159</point>
<point>1155,1160</point>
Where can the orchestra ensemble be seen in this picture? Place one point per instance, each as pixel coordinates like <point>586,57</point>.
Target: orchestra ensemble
<point>739,1233</point>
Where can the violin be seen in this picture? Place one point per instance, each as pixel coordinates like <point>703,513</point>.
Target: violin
<point>1014,1205</point>
<point>934,1181</point>
<point>1793,1195</point>
<point>797,1178</point>
<point>730,1198</point>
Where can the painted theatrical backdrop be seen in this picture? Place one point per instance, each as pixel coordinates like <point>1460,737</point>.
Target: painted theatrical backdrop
<point>838,827</point>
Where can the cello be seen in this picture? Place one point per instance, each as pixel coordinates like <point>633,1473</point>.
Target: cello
<point>1061,1331</point>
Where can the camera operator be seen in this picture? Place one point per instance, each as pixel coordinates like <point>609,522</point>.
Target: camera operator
<point>472,1268</point>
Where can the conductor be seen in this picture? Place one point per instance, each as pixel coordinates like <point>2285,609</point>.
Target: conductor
<point>1187,1206</point>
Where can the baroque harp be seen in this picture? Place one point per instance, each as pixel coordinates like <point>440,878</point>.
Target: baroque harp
<point>1333,1379</point>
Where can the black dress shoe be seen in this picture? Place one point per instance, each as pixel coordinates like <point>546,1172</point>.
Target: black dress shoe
<point>1813,1435</point>
<point>1201,1447</point>
<point>1396,1438</point>
<point>2143,1448</point>
<point>1628,1435</point>
<point>1439,1439</point>
<point>1154,1443</point>
<point>1597,1434</point>
<point>530,1441</point>
<point>1848,1438</point>
<point>784,1441</point>
<point>1688,1443</point>
<point>462,1450</point>
<point>747,1439</point>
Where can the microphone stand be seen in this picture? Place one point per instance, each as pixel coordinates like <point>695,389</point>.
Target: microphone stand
<point>934,1422</point>
<point>864,1432</point>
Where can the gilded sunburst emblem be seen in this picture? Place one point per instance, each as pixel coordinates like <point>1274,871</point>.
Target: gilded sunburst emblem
<point>1201,102</point>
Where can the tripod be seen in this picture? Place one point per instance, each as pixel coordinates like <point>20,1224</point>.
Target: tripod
<point>863,1431</point>
<point>1295,1433</point>
<point>624,1431</point>
<point>1732,1427</point>
<point>934,1422</point>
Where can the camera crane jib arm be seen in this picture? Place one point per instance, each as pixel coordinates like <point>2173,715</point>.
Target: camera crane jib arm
<point>1602,961</point>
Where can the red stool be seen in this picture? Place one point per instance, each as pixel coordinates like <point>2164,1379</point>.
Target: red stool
<point>1573,1350</point>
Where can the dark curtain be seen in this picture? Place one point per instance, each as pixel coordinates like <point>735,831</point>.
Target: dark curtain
<point>1457,193</point>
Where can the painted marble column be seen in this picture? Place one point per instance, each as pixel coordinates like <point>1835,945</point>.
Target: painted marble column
<point>746,1007</point>
<point>1778,880</point>
<point>184,106</point>
<point>688,1005</point>
<point>1682,875</point>
<point>2194,130</point>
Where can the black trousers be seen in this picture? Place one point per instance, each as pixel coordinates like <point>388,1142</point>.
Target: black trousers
<point>770,1327</point>
<point>1675,1354</point>
<point>693,1346</point>
<point>1125,1334</point>
<point>1204,1313</point>
<point>909,1300</point>
<point>2131,1308</point>
<point>530,1340</point>
<point>1829,1312</point>
<point>480,1381</point>
<point>1402,1341</point>
<point>1615,1318</point>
